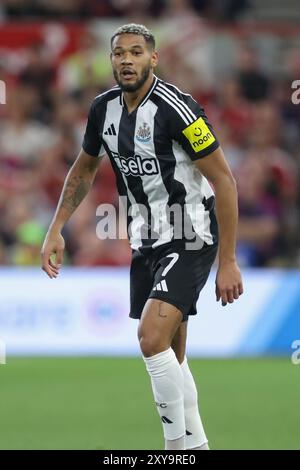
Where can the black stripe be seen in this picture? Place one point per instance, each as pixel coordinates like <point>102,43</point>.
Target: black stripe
<point>119,180</point>
<point>121,186</point>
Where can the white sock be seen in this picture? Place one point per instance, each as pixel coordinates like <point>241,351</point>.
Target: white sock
<point>176,444</point>
<point>167,385</point>
<point>195,435</point>
<point>203,447</point>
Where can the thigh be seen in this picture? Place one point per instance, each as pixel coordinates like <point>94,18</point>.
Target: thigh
<point>159,323</point>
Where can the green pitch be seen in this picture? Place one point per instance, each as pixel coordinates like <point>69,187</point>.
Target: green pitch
<point>106,403</point>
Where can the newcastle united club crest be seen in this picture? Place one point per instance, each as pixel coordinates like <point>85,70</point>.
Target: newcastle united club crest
<point>143,134</point>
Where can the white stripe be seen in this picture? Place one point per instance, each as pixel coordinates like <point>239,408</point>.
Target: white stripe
<point>197,187</point>
<point>173,106</point>
<point>158,286</point>
<point>178,100</point>
<point>164,286</point>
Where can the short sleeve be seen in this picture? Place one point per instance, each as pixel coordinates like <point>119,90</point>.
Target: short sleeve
<point>92,142</point>
<point>192,130</point>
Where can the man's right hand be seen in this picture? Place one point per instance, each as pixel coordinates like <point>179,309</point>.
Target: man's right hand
<point>54,244</point>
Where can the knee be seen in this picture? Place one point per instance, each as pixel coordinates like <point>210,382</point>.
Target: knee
<point>152,344</point>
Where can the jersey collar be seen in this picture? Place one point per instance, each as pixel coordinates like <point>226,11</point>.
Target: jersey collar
<point>147,96</point>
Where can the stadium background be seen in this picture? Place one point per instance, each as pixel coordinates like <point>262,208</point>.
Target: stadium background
<point>72,378</point>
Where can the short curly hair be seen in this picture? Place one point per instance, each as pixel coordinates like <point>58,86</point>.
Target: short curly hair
<point>138,29</point>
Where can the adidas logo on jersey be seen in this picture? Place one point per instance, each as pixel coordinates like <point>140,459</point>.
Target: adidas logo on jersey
<point>110,130</point>
<point>137,166</point>
<point>161,286</point>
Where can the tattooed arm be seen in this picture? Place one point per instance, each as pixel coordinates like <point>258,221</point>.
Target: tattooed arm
<point>77,184</point>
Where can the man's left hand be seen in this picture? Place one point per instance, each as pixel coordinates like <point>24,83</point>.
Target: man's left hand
<point>229,285</point>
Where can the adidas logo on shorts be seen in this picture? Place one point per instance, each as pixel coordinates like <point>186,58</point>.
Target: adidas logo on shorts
<point>161,286</point>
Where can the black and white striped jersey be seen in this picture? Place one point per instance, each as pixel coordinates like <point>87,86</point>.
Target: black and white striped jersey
<point>152,151</point>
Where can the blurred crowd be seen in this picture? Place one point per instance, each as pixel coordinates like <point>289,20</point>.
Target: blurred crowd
<point>86,9</point>
<point>43,122</point>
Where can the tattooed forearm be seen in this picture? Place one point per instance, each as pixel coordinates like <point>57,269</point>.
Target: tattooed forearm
<point>75,190</point>
<point>77,184</point>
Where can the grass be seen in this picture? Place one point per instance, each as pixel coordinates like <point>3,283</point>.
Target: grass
<point>106,403</point>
